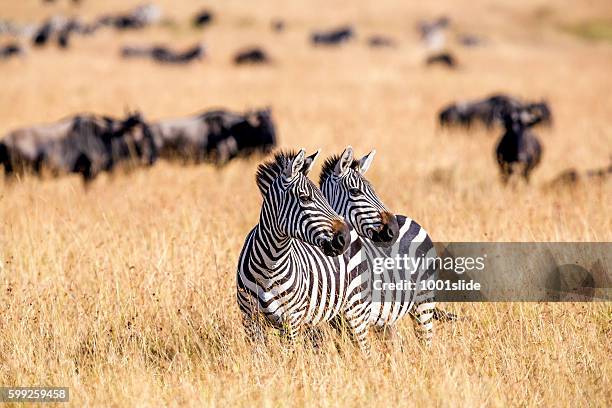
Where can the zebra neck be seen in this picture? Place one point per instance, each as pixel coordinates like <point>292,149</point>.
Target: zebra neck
<point>274,251</point>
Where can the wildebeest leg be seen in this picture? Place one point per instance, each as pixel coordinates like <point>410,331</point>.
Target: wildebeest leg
<point>5,161</point>
<point>38,164</point>
<point>83,166</point>
<point>506,171</point>
<point>527,172</point>
<point>8,172</point>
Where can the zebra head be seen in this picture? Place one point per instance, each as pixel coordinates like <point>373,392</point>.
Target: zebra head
<point>343,184</point>
<point>294,207</point>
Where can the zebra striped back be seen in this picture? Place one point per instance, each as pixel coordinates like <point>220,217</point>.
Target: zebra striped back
<point>343,184</point>
<point>293,269</point>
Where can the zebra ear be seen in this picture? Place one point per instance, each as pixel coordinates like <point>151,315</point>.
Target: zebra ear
<point>366,161</point>
<point>344,162</point>
<point>295,166</point>
<point>309,162</point>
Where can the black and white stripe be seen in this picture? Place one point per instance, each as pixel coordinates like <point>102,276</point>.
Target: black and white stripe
<point>343,184</point>
<point>286,276</point>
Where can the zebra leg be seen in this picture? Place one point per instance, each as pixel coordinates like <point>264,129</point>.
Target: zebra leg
<point>422,317</point>
<point>358,325</point>
<point>253,329</point>
<point>315,336</point>
<point>251,318</point>
<point>289,332</point>
<point>391,337</point>
<point>444,316</point>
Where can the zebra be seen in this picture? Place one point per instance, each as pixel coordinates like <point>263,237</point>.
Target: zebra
<point>293,270</point>
<point>351,195</point>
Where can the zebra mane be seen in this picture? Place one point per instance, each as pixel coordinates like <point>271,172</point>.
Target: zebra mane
<point>267,172</point>
<point>330,164</point>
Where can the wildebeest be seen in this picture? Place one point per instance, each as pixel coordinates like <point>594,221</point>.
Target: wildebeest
<point>333,37</point>
<point>10,50</point>
<point>571,176</point>
<point>488,111</point>
<point>443,58</point>
<point>540,110</point>
<point>139,17</point>
<point>72,26</point>
<point>278,25</point>
<point>61,29</point>
<point>85,143</point>
<point>379,41</point>
<point>22,149</point>
<point>519,146</point>
<point>162,54</point>
<point>203,18</point>
<point>14,29</point>
<point>254,55</point>
<point>46,30</point>
<point>96,144</point>
<point>216,136</point>
<point>432,32</point>
<point>53,1</point>
<point>469,40</point>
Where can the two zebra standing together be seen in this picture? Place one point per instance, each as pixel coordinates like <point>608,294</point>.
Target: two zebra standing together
<point>308,260</point>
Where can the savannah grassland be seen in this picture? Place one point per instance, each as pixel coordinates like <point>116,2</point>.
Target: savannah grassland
<point>125,292</point>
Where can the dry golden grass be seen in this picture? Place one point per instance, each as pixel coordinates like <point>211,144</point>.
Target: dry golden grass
<point>125,292</point>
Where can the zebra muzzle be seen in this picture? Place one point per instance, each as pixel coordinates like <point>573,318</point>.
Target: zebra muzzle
<point>340,240</point>
<point>388,231</point>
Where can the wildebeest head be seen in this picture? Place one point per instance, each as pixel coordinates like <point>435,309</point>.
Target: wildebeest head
<point>540,110</point>
<point>131,120</point>
<point>455,115</point>
<point>256,132</point>
<point>519,119</point>
<point>449,116</point>
<point>136,135</point>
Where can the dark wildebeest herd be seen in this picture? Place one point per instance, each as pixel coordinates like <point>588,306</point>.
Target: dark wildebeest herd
<point>433,35</point>
<point>163,54</point>
<point>518,150</point>
<point>90,144</point>
<point>60,29</point>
